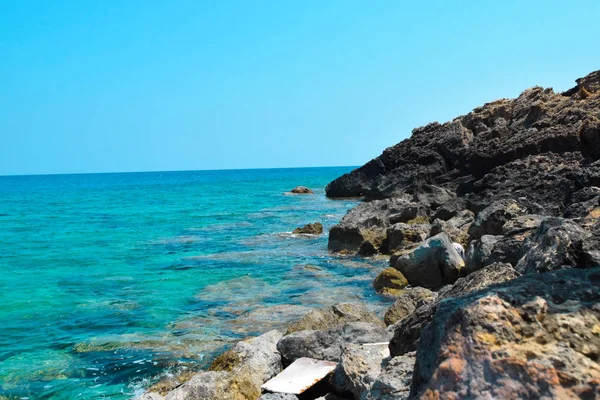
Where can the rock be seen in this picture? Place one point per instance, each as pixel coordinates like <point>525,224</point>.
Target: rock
<point>363,229</point>
<point>395,380</point>
<point>556,244</point>
<point>479,253</point>
<point>205,385</point>
<point>407,330</point>
<point>430,195</point>
<point>278,396</point>
<point>401,235</point>
<point>359,367</point>
<point>301,190</point>
<point>327,345</point>
<point>456,227</point>
<point>450,208</point>
<point>389,280</point>
<point>433,263</point>
<point>583,202</point>
<point>150,396</point>
<point>236,374</point>
<point>533,337</point>
<point>491,219</point>
<point>409,300</point>
<point>315,228</point>
<point>591,247</point>
<point>334,317</point>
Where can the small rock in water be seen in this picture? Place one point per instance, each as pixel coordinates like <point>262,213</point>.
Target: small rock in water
<point>315,228</point>
<point>302,190</point>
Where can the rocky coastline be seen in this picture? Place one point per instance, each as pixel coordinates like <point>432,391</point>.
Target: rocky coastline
<point>516,183</point>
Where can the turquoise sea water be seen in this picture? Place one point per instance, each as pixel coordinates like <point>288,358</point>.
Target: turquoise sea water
<point>109,282</point>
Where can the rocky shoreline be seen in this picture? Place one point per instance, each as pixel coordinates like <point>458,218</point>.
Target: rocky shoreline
<point>517,184</point>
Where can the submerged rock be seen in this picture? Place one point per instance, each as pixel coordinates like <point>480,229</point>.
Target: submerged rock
<point>432,264</point>
<point>315,228</point>
<point>334,317</point>
<point>301,190</point>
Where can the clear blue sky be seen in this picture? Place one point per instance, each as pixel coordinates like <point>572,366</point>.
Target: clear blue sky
<point>102,86</point>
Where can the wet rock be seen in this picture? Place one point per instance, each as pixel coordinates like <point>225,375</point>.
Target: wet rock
<point>556,244</point>
<point>432,264</point>
<point>389,281</point>
<point>407,301</point>
<point>327,345</point>
<point>363,229</point>
<point>491,219</point>
<point>315,228</point>
<point>301,190</point>
<point>395,380</point>
<point>334,317</point>
<point>533,337</point>
<point>408,330</point>
<point>150,396</point>
<point>278,396</point>
<point>359,367</point>
<point>401,235</point>
<point>479,253</point>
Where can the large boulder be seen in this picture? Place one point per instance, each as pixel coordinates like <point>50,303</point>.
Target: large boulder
<point>408,330</point>
<point>315,228</point>
<point>334,317</point>
<point>408,301</point>
<point>556,244</point>
<point>534,337</point>
<point>479,253</point>
<point>492,218</point>
<point>363,229</point>
<point>402,235</point>
<point>394,382</point>
<point>432,264</point>
<point>359,367</point>
<point>327,345</point>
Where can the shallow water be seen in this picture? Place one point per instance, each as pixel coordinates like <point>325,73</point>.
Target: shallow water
<point>110,281</point>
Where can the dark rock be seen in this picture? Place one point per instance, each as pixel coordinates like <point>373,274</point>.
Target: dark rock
<point>433,263</point>
<point>395,380</point>
<point>450,208</point>
<point>407,301</point>
<point>479,253</point>
<point>591,247</point>
<point>334,317</point>
<point>533,337</point>
<point>408,330</point>
<point>402,235</point>
<point>301,190</point>
<point>327,345</point>
<point>583,202</point>
<point>491,219</point>
<point>363,229</point>
<point>310,229</point>
<point>456,228</point>
<point>389,281</point>
<point>556,244</point>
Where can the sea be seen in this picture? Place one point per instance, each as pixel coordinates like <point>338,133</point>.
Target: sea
<point>112,282</point>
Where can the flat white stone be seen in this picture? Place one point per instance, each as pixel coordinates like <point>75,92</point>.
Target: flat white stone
<point>301,375</point>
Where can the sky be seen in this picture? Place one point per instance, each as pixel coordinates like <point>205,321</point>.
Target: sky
<point>109,86</point>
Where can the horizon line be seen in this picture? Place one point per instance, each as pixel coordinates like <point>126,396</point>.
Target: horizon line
<point>175,170</point>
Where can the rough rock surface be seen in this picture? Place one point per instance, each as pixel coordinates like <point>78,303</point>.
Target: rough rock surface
<point>389,281</point>
<point>359,367</point>
<point>408,330</point>
<point>534,337</point>
<point>407,302</point>
<point>327,345</point>
<point>395,380</point>
<point>278,396</point>
<point>334,317</point>
<point>315,228</point>
<point>301,190</point>
<point>432,264</point>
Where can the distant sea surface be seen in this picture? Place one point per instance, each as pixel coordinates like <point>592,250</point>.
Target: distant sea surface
<point>109,282</point>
